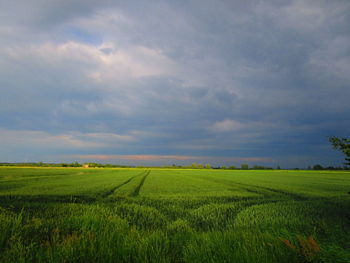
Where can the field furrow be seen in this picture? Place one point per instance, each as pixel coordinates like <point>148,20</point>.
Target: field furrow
<point>112,190</point>
<point>132,187</point>
<point>138,188</point>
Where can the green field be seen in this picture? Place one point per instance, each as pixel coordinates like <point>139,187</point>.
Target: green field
<point>160,215</point>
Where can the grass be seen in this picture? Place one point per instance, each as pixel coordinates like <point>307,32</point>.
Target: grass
<point>164,215</point>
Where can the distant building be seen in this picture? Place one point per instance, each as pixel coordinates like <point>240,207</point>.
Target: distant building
<point>85,166</point>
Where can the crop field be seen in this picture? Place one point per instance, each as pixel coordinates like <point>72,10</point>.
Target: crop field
<point>173,215</point>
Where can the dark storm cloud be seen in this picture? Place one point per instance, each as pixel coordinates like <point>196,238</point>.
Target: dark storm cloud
<point>236,79</point>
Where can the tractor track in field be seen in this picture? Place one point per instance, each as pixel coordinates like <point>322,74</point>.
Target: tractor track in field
<point>259,189</point>
<point>112,190</point>
<point>138,188</point>
<point>277,191</point>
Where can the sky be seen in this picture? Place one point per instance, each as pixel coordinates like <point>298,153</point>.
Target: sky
<point>174,82</point>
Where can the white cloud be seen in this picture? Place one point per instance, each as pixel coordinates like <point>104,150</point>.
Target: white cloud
<point>227,126</point>
<point>71,140</point>
<point>249,127</point>
<point>131,62</point>
<point>41,139</point>
<point>109,137</point>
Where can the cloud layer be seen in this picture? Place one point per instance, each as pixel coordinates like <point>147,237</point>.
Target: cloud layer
<point>222,80</point>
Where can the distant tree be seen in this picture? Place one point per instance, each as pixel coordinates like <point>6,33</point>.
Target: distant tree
<point>261,167</point>
<point>278,167</point>
<point>244,166</point>
<point>194,165</point>
<point>208,166</point>
<point>342,144</point>
<point>75,164</point>
<point>318,167</point>
<point>232,167</point>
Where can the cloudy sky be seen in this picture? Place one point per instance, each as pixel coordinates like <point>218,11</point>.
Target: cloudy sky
<point>163,82</point>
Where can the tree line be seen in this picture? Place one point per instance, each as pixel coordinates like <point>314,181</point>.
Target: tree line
<point>342,144</point>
